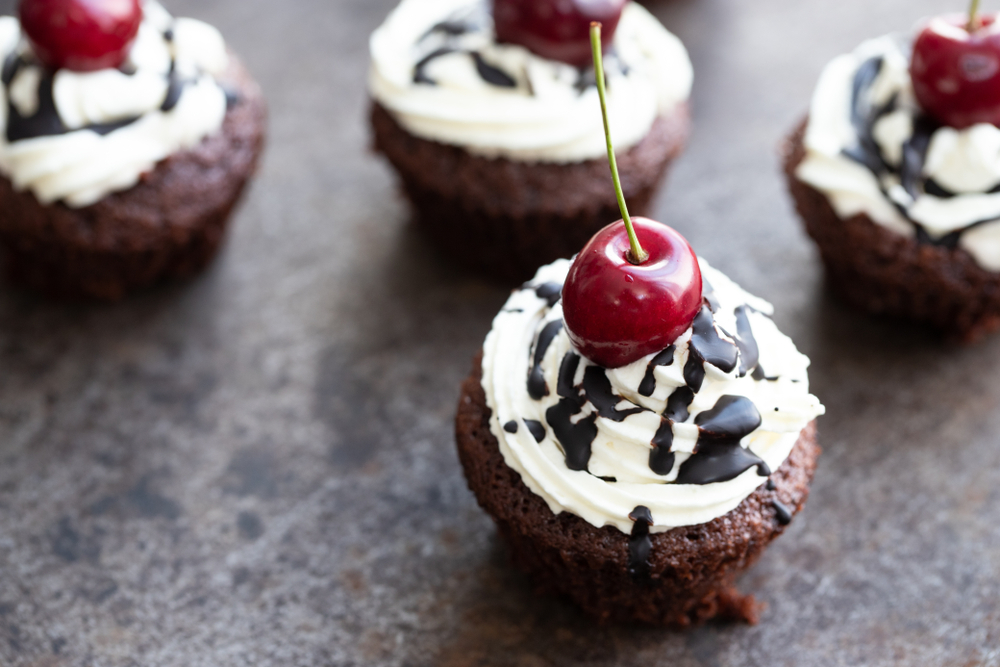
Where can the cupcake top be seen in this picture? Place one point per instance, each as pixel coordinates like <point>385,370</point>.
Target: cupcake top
<point>872,150</point>
<point>75,137</point>
<point>436,65</point>
<point>688,432</point>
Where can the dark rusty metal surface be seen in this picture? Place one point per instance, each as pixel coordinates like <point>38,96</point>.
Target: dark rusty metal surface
<point>257,468</point>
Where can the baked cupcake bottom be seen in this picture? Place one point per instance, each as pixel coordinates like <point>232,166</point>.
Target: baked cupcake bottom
<point>503,218</point>
<point>691,569</point>
<point>882,272</point>
<point>169,225</point>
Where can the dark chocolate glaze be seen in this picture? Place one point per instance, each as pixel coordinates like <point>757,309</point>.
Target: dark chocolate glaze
<point>745,341</point>
<point>537,388</point>
<point>730,420</point>
<point>610,480</point>
<point>575,439</point>
<point>420,69</point>
<point>718,456</point>
<point>174,89</point>
<point>678,404</point>
<point>694,372</point>
<point>781,512</point>
<point>661,459</point>
<point>760,375</point>
<point>771,486</point>
<point>233,96</point>
<point>550,292</point>
<point>708,294</point>
<point>510,427</point>
<point>597,388</point>
<point>566,384</point>
<point>719,462</point>
<point>11,64</point>
<point>491,74</point>
<point>536,428</point>
<point>707,346</point>
<point>648,385</point>
<point>639,545</point>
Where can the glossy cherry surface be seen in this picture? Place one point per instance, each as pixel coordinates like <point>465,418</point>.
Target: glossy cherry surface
<point>617,312</point>
<point>556,29</point>
<point>956,73</point>
<point>81,35</point>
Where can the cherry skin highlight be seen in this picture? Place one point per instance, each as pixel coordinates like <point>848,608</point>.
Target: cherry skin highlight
<point>81,35</point>
<point>617,312</point>
<point>956,73</point>
<point>556,29</point>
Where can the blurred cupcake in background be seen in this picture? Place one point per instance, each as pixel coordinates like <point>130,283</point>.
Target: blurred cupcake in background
<point>490,116</point>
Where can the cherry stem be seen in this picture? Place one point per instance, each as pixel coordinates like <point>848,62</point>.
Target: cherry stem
<point>974,16</point>
<point>636,255</point>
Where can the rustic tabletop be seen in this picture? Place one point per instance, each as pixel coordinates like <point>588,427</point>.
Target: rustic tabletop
<point>257,468</point>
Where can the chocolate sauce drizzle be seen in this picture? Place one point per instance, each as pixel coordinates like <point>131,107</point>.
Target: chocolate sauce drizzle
<point>707,347</point>
<point>575,439</point>
<point>639,545</point>
<point>661,458</point>
<point>537,388</point>
<point>867,152</point>
<point>549,292</point>
<point>597,388</point>
<point>648,385</point>
<point>536,428</point>
<point>510,427</point>
<point>781,512</point>
<point>718,456</point>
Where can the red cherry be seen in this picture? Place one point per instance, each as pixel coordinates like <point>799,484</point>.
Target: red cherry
<point>556,29</point>
<point>956,73</point>
<point>617,312</point>
<point>81,35</point>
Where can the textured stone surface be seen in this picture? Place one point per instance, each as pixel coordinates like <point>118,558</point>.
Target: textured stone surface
<point>257,468</point>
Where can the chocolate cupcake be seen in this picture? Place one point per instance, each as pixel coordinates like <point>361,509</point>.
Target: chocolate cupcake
<point>903,203</point>
<point>115,179</point>
<point>500,150</point>
<point>640,492</point>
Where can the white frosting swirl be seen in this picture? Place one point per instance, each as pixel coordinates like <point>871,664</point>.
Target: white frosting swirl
<point>622,449</point>
<point>966,163</point>
<point>81,165</point>
<point>544,116</point>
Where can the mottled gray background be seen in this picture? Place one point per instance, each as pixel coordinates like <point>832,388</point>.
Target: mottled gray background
<point>257,468</point>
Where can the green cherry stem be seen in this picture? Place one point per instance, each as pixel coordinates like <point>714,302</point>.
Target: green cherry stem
<point>974,16</point>
<point>637,255</point>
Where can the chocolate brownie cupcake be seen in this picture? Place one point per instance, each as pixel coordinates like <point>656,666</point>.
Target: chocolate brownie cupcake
<point>500,150</point>
<point>905,209</point>
<point>641,492</point>
<point>117,179</point>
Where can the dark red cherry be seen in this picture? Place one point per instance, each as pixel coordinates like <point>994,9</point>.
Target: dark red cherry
<point>955,72</point>
<point>617,312</point>
<point>81,35</point>
<point>556,29</point>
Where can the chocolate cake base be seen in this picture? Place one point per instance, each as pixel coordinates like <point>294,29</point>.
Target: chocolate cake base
<point>503,218</point>
<point>882,272</point>
<point>170,225</point>
<point>691,569</point>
